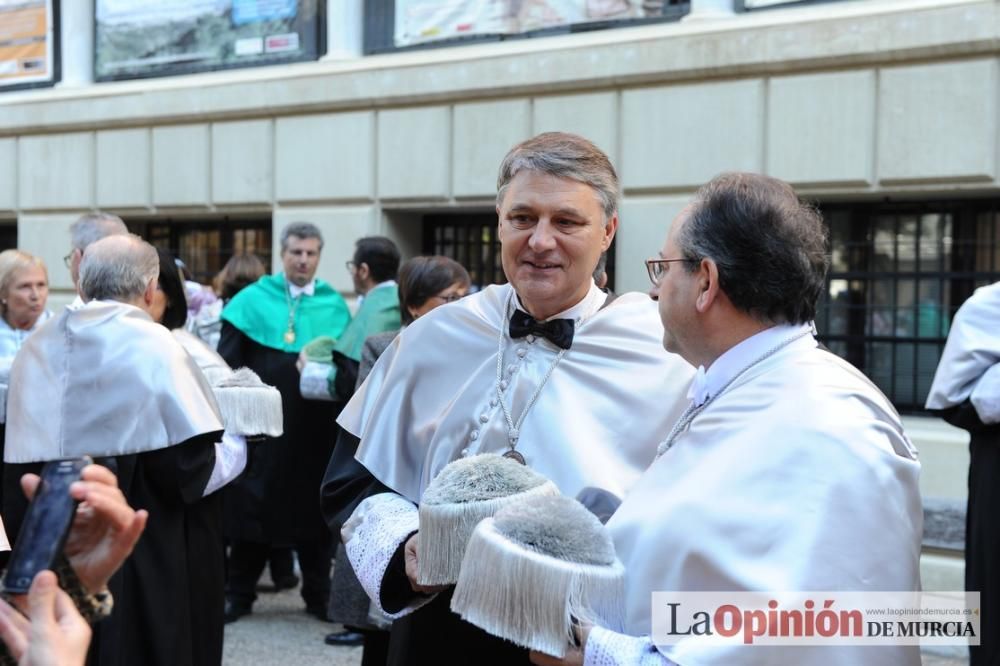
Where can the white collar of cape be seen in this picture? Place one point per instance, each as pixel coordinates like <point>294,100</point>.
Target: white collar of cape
<point>973,347</point>
<point>763,492</point>
<point>424,396</point>
<point>708,383</point>
<point>66,405</point>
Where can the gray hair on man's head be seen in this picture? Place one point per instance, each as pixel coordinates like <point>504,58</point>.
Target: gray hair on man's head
<point>93,227</point>
<point>301,230</point>
<point>564,155</point>
<point>118,268</point>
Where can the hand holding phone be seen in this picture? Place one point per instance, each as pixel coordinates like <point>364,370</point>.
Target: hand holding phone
<point>46,524</point>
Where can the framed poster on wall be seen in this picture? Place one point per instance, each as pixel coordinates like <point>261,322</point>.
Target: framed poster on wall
<point>28,44</point>
<point>144,38</point>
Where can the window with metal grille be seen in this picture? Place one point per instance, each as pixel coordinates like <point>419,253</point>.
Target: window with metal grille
<point>471,240</point>
<point>898,274</point>
<point>206,246</point>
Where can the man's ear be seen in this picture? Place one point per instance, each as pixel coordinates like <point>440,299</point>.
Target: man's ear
<point>708,285</point>
<point>147,295</point>
<point>364,272</point>
<point>609,232</point>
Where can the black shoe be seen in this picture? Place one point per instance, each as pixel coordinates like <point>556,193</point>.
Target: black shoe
<point>318,612</point>
<point>288,582</point>
<point>235,611</point>
<point>345,637</point>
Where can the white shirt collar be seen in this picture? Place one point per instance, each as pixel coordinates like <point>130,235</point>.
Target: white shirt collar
<point>296,291</point>
<point>586,308</point>
<point>708,383</point>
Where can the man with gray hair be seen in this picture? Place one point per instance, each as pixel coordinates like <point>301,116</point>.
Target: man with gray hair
<point>264,327</point>
<point>87,229</point>
<point>105,380</point>
<point>789,471</point>
<point>539,370</point>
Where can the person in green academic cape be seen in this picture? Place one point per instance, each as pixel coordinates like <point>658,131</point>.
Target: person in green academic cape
<point>264,327</point>
<point>373,271</point>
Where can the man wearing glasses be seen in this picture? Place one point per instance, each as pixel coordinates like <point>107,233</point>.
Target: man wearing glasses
<point>373,271</point>
<point>789,470</point>
<point>547,370</point>
<point>88,229</point>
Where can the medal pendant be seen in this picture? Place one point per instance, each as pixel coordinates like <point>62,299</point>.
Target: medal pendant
<point>515,456</point>
<point>289,337</point>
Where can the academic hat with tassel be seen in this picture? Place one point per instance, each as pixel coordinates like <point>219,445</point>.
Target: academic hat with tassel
<point>535,569</point>
<point>248,406</point>
<point>462,494</point>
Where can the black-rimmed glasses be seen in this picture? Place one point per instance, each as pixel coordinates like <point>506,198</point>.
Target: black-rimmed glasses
<point>656,268</point>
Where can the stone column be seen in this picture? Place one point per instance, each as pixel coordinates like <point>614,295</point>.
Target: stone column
<point>344,29</point>
<point>76,43</point>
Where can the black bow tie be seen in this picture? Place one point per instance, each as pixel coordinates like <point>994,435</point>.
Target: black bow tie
<point>557,331</point>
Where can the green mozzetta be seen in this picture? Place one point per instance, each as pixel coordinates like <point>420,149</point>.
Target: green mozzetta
<point>379,313</point>
<point>260,312</point>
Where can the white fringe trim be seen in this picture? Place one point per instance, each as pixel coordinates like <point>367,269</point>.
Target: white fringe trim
<point>445,530</point>
<point>529,598</point>
<point>250,411</point>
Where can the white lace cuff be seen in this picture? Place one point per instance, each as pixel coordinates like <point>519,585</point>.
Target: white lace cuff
<point>372,535</point>
<point>230,461</point>
<point>608,648</point>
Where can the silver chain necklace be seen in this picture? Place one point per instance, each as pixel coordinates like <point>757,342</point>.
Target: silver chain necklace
<point>514,428</point>
<point>692,411</point>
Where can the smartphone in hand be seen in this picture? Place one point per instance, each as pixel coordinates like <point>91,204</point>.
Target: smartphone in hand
<point>46,524</point>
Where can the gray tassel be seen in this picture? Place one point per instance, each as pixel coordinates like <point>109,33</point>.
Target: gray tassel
<point>248,405</point>
<point>531,599</point>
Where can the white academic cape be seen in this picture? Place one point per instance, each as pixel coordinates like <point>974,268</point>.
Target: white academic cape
<point>973,348</point>
<point>431,396</point>
<point>799,477</point>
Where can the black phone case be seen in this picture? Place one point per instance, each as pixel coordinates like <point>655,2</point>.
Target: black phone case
<point>46,525</point>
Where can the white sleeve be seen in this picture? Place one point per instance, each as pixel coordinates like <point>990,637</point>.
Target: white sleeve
<point>230,460</point>
<point>608,648</point>
<point>372,535</point>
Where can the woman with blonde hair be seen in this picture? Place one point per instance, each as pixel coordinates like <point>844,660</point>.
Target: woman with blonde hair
<point>24,291</point>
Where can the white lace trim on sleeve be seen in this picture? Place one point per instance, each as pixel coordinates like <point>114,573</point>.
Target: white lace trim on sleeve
<point>372,535</point>
<point>608,648</point>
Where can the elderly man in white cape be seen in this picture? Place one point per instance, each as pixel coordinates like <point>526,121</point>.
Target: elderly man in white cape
<point>104,380</point>
<point>547,369</point>
<point>789,471</point>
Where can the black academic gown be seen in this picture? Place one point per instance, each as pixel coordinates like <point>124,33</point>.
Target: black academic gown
<point>433,634</point>
<point>275,501</point>
<point>168,595</point>
<point>982,537</point>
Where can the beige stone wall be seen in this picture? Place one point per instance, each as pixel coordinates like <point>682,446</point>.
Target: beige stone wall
<point>848,101</point>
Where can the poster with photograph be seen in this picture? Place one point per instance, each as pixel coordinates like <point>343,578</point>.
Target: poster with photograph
<point>26,43</point>
<point>421,21</point>
<point>138,38</point>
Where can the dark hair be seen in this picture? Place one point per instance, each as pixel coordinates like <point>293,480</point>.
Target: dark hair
<point>423,277</point>
<point>770,248</point>
<point>240,271</point>
<point>175,315</point>
<point>381,255</point>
